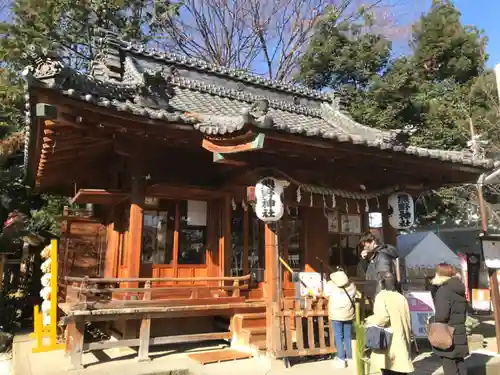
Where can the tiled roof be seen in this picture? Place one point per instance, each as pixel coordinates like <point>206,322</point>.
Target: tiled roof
<point>214,99</point>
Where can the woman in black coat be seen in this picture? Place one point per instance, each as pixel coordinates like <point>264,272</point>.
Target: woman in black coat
<point>451,308</point>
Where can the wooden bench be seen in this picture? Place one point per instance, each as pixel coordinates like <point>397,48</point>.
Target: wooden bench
<point>95,303</point>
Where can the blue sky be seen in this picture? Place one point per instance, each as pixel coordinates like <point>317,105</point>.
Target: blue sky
<point>485,14</point>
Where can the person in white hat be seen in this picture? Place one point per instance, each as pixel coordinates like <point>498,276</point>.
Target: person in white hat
<point>341,293</point>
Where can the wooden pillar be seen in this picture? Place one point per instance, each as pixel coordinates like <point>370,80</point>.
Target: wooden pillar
<point>225,242</point>
<point>495,300</point>
<point>133,258</point>
<point>271,287</point>
<point>177,229</point>
<point>214,214</point>
<point>111,251</point>
<point>145,330</point>
<point>246,240</point>
<point>389,233</point>
<point>76,328</point>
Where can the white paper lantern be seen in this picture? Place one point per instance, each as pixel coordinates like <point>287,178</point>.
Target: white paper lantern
<point>46,320</point>
<point>46,279</point>
<point>268,199</point>
<point>45,293</point>
<point>45,267</point>
<point>45,254</point>
<point>46,307</point>
<point>401,210</point>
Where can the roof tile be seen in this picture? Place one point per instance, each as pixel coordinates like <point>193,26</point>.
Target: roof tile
<point>164,86</point>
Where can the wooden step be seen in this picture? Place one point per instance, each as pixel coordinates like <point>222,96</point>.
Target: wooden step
<point>217,356</point>
<point>242,321</point>
<point>260,315</point>
<point>248,328</point>
<point>259,345</point>
<point>254,334</point>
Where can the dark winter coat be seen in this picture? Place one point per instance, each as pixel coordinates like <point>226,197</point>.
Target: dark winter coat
<point>382,261</point>
<point>451,308</point>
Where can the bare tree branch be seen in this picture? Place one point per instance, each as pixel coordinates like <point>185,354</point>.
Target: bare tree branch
<point>265,36</point>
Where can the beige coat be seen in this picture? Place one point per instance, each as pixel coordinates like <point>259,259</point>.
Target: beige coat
<point>341,293</point>
<point>391,310</point>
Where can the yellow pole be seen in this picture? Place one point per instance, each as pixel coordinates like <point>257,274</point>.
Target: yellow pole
<point>53,294</point>
<point>38,327</point>
<point>51,329</point>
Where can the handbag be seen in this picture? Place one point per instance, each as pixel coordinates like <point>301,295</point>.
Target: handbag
<point>441,335</point>
<point>377,338</point>
<point>350,299</point>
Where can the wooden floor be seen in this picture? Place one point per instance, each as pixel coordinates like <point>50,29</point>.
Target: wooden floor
<point>217,356</point>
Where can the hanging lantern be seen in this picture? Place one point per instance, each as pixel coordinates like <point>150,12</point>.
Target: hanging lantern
<point>268,199</point>
<point>45,254</point>
<point>401,210</point>
<point>45,267</point>
<point>46,279</point>
<point>45,293</point>
<point>46,305</point>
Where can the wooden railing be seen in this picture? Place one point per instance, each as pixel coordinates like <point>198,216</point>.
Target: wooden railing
<point>305,330</point>
<point>305,327</point>
<point>96,293</point>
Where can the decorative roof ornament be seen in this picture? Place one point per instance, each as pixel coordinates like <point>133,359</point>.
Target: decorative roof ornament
<point>259,114</point>
<point>218,124</point>
<point>476,146</point>
<point>155,89</point>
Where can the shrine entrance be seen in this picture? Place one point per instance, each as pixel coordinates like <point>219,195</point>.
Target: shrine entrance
<point>248,249</point>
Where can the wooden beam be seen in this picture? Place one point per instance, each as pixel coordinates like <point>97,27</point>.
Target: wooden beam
<point>183,192</point>
<point>100,196</point>
<point>100,345</point>
<point>121,306</point>
<point>248,143</point>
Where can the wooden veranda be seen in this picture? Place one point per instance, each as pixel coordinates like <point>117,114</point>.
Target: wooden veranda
<point>162,152</point>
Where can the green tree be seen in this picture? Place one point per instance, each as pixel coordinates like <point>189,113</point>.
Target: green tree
<point>342,55</point>
<point>444,48</point>
<point>66,29</point>
<point>437,90</point>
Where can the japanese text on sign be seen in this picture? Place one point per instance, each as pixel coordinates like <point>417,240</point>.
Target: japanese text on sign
<point>421,309</point>
<point>405,216</point>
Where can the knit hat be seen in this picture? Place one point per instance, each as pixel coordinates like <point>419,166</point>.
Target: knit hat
<point>339,278</point>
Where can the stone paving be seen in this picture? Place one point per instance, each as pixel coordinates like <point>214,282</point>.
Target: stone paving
<point>6,364</point>
<point>172,360</point>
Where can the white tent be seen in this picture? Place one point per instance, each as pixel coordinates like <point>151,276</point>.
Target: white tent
<point>425,250</point>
